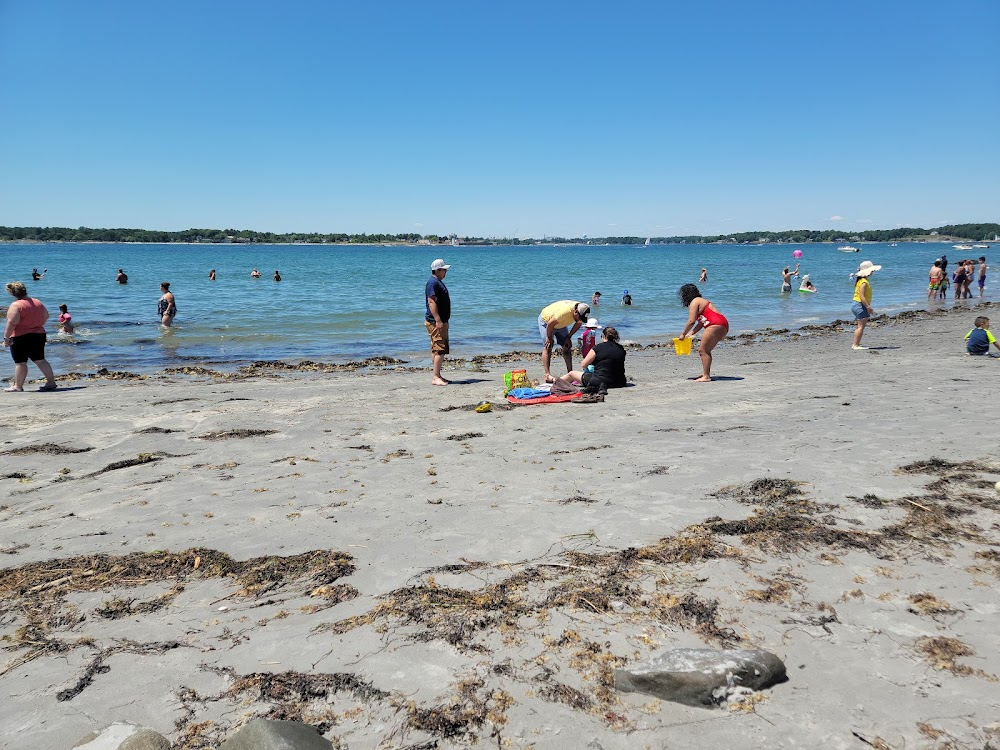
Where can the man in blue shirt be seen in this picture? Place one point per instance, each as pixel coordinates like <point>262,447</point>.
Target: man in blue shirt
<point>436,318</point>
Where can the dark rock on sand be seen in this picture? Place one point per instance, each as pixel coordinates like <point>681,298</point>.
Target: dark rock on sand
<point>123,735</point>
<point>261,734</point>
<point>701,676</point>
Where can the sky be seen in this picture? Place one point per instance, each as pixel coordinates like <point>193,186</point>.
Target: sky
<point>502,119</point>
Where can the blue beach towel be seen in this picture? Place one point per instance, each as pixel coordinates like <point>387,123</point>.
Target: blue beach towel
<point>528,393</point>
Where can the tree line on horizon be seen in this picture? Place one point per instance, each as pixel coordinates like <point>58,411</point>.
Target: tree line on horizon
<point>971,232</point>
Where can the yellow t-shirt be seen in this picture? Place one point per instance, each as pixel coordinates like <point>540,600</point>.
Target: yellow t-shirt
<point>562,311</point>
<point>863,287</point>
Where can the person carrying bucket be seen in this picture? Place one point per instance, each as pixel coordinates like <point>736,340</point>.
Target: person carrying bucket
<point>702,314</point>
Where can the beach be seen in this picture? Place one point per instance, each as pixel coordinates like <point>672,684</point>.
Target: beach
<point>364,552</point>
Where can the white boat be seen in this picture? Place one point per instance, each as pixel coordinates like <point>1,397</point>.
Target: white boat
<point>962,246</point>
<point>646,243</point>
<point>849,249</point>
<point>981,246</point>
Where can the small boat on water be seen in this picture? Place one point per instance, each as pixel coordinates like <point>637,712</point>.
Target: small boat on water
<point>849,249</point>
<point>981,246</point>
<point>962,246</point>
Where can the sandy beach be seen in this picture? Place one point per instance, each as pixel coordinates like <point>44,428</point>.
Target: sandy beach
<point>366,553</point>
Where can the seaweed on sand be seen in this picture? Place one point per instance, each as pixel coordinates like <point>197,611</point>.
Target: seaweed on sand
<point>943,653</point>
<point>51,449</point>
<point>761,491</point>
<point>37,591</point>
<point>240,433</point>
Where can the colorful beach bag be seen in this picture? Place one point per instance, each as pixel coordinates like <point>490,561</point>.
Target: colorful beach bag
<point>515,379</point>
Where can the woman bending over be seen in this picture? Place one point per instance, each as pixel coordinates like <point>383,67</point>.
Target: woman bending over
<point>702,314</point>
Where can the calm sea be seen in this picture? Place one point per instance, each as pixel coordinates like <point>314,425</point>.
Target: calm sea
<point>348,303</point>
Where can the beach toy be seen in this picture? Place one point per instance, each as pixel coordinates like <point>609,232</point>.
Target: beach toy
<point>796,254</point>
<point>682,346</point>
<point>483,406</point>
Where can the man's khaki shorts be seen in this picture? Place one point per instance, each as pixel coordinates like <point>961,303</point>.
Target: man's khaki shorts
<point>439,338</point>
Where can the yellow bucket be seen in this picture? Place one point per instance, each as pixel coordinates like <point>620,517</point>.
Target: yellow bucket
<point>682,346</point>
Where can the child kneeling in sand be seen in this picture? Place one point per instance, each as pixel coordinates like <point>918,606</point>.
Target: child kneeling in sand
<point>980,338</point>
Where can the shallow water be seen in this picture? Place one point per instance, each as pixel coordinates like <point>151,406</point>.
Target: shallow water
<point>340,303</point>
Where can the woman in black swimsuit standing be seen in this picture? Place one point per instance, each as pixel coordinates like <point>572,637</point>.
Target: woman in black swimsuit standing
<point>167,307</point>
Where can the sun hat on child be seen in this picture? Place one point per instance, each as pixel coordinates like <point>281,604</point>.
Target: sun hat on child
<point>867,268</point>
<point>592,323</point>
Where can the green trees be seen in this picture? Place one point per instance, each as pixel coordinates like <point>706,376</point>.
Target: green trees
<point>973,232</point>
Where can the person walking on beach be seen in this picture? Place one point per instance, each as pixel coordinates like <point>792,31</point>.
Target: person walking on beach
<point>167,306</point>
<point>935,275</point>
<point>122,277</point>
<point>436,317</point>
<point>702,314</point>
<point>862,305</point>
<point>556,324</point>
<point>24,333</point>
<point>982,274</point>
<point>786,278</point>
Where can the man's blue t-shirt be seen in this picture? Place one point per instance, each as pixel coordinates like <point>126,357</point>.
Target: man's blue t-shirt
<point>979,340</point>
<point>435,288</point>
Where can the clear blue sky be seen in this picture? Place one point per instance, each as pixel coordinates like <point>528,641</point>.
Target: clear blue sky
<point>496,118</point>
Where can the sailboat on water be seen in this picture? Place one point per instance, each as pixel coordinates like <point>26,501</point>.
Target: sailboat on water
<point>646,243</point>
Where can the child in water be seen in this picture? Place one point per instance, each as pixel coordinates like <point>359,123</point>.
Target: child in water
<point>65,320</point>
<point>807,285</point>
<point>588,340</point>
<point>702,314</point>
<point>980,338</point>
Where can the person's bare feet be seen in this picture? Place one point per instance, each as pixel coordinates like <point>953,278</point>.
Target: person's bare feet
<point>440,381</point>
<point>703,379</point>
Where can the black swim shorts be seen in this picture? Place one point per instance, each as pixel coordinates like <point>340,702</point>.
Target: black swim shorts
<point>27,346</point>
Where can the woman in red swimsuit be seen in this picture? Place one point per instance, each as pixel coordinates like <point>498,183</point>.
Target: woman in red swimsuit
<point>703,314</point>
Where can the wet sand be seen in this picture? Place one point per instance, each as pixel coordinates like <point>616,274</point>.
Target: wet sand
<point>363,551</point>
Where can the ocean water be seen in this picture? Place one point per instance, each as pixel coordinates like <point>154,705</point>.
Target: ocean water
<point>347,303</point>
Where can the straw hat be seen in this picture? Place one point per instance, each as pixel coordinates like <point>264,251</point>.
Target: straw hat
<point>867,268</point>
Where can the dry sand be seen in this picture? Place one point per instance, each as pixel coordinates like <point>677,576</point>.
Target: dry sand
<point>402,571</point>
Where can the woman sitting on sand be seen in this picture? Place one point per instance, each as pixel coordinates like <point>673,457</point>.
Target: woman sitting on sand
<point>702,314</point>
<point>608,360</point>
